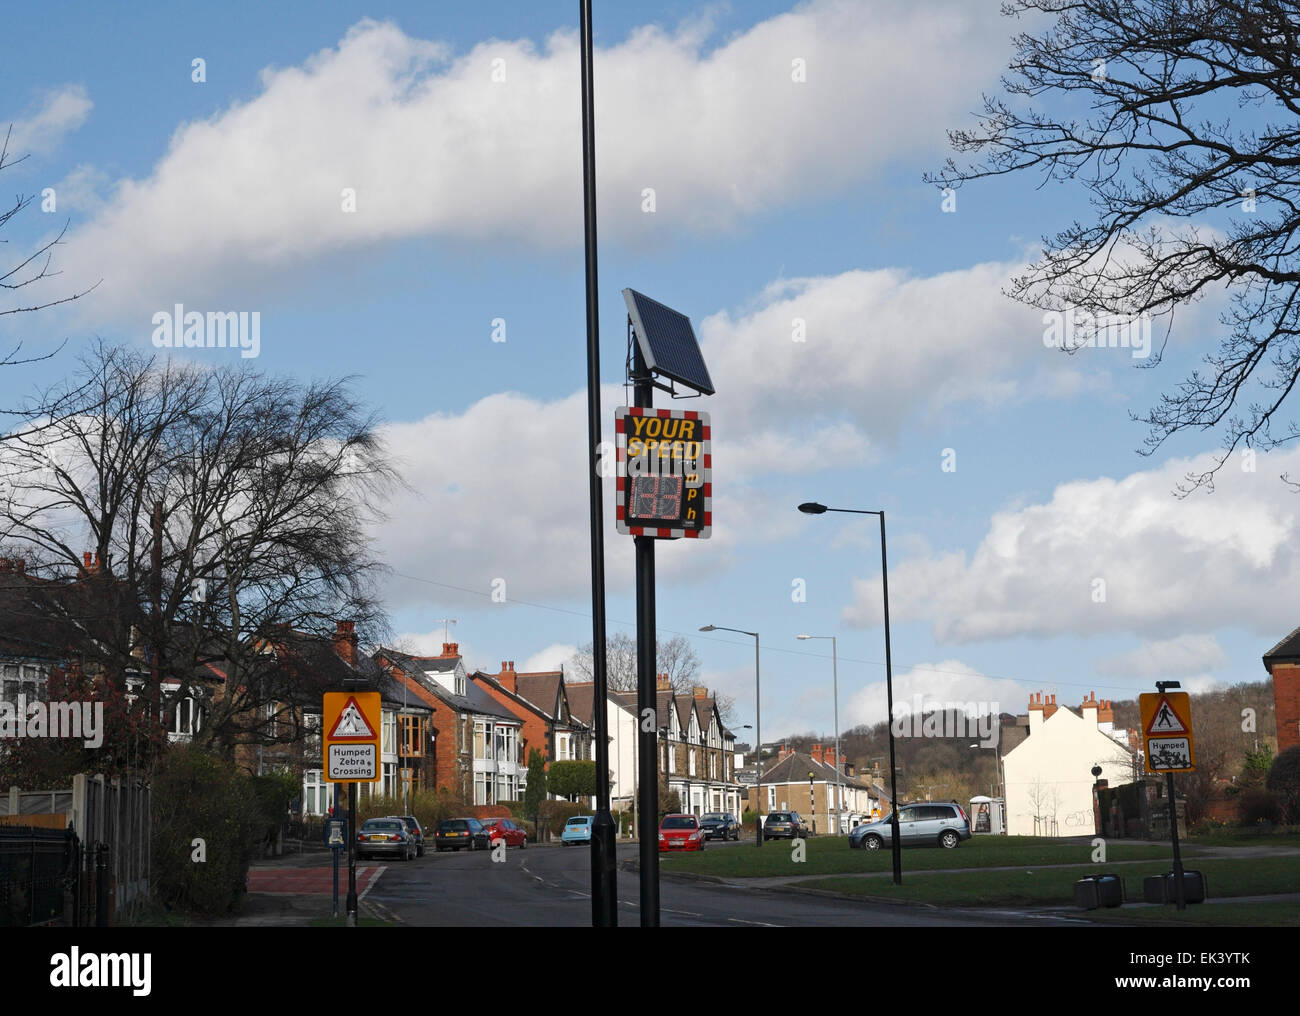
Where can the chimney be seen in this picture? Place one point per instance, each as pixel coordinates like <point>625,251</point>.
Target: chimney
<point>816,752</point>
<point>1049,707</point>
<point>1035,711</point>
<point>21,565</point>
<point>507,678</point>
<point>6,565</point>
<point>700,692</point>
<point>1090,706</point>
<point>662,683</point>
<point>345,642</point>
<point>450,649</point>
<point>1106,714</point>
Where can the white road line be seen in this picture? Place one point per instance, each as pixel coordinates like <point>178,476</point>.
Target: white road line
<point>382,868</point>
<point>761,924</point>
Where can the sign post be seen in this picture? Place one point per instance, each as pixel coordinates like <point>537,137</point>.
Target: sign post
<point>351,745</point>
<point>1169,748</point>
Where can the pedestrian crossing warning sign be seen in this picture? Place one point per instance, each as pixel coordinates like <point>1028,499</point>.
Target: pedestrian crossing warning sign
<point>1167,732</point>
<point>350,721</point>
<point>1165,721</point>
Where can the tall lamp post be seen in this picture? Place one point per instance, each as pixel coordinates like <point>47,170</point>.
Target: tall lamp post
<point>758,737</point>
<point>813,508</point>
<point>835,673</point>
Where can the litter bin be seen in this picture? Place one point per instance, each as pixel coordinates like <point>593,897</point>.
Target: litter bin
<point>1161,888</point>
<point>1098,891</point>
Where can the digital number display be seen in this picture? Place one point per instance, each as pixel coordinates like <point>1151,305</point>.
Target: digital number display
<point>656,497</point>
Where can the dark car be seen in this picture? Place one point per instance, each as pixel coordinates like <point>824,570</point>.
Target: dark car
<point>784,825</point>
<point>504,829</point>
<point>385,836</point>
<point>925,823</point>
<point>720,825</point>
<point>417,834</point>
<point>461,833</point>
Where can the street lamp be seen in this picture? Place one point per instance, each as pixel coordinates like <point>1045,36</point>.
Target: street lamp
<point>836,677</point>
<point>814,508</point>
<point>758,737</point>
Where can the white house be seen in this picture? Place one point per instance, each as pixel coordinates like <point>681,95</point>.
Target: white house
<point>1048,775</point>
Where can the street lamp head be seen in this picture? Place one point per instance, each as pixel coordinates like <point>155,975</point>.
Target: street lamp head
<point>803,636</point>
<point>812,508</point>
<point>708,627</point>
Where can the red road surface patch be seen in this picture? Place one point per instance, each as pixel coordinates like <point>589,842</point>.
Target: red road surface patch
<point>308,881</point>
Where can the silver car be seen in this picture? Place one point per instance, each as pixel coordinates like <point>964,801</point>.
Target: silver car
<point>925,823</point>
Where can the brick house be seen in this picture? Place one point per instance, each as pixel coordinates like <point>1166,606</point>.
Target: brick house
<point>1283,665</point>
<point>477,741</point>
<point>786,787</point>
<point>541,700</point>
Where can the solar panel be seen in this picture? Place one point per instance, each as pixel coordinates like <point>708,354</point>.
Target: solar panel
<point>668,342</point>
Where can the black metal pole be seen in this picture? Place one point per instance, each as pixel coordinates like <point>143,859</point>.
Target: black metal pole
<point>352,855</point>
<point>758,747</point>
<point>604,889</point>
<point>896,846</point>
<point>647,695</point>
<point>1180,899</point>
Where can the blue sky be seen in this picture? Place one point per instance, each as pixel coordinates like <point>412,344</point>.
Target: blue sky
<point>775,199</point>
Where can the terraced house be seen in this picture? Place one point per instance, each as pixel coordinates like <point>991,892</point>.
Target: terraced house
<point>697,753</point>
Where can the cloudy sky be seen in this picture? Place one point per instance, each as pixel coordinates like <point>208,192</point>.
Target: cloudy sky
<point>392,189</point>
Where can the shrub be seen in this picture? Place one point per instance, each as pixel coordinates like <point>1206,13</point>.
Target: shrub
<point>556,813</point>
<point>1258,806</point>
<point>1284,783</point>
<point>200,796</point>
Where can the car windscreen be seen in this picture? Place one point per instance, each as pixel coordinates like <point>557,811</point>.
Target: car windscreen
<point>577,822</point>
<point>383,825</point>
<point>457,825</point>
<point>678,823</point>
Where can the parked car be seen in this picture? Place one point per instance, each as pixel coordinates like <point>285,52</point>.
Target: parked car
<point>680,832</point>
<point>504,829</point>
<point>926,823</point>
<point>577,830</point>
<point>720,825</point>
<point>417,834</point>
<point>461,833</point>
<point>378,837</point>
<point>784,825</point>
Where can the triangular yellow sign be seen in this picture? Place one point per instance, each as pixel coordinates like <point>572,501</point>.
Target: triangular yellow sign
<point>1166,722</point>
<point>352,723</point>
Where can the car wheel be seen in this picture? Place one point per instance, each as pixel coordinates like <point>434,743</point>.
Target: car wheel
<point>873,842</point>
<point>949,839</point>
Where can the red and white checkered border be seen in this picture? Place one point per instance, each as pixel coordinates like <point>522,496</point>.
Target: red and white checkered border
<point>706,471</point>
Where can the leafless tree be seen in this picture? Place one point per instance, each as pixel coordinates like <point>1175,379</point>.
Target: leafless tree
<point>265,489</point>
<point>27,270</point>
<point>1163,81</point>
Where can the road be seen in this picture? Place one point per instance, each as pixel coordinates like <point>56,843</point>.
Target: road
<point>551,887</point>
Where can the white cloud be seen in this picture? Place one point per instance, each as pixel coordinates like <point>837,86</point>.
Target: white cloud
<point>1178,657</point>
<point>433,146</point>
<point>550,658</point>
<point>61,111</point>
<point>1110,555</point>
<point>947,682</point>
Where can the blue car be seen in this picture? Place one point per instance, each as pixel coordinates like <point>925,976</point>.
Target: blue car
<point>577,830</point>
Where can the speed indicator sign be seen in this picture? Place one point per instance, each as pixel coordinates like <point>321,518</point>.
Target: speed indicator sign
<point>665,466</point>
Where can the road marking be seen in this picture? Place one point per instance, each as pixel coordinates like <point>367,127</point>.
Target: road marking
<point>761,924</point>
<point>382,868</point>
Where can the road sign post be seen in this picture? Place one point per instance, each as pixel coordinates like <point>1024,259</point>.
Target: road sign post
<point>1170,748</point>
<point>351,748</point>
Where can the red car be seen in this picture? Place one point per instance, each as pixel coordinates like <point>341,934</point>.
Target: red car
<point>504,829</point>
<point>680,832</point>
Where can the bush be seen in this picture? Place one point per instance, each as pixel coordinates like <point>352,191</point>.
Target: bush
<point>1284,783</point>
<point>1257,807</point>
<point>429,808</point>
<point>200,796</point>
<point>556,813</point>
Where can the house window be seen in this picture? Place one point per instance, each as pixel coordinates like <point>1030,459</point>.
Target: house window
<point>21,679</point>
<point>482,743</point>
<point>412,736</point>
<point>272,720</point>
<point>502,753</point>
<point>690,761</point>
<point>672,759</point>
<point>460,685</point>
<point>187,718</point>
<point>390,779</point>
<point>713,766</point>
<point>316,793</point>
<point>390,733</point>
<point>771,798</point>
<point>481,788</point>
